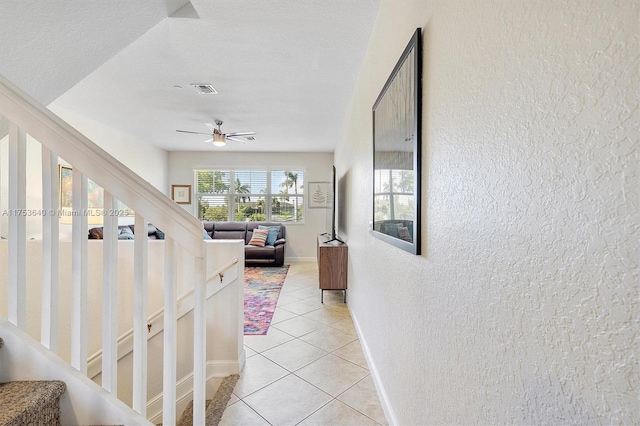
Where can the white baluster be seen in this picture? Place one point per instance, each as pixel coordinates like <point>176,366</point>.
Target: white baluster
<point>50,249</point>
<point>140,331</point>
<point>17,227</point>
<point>199,340</point>
<point>79,273</point>
<point>170,337</point>
<point>110,297</point>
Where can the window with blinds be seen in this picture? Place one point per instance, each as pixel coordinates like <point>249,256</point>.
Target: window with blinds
<point>250,195</point>
<point>393,194</point>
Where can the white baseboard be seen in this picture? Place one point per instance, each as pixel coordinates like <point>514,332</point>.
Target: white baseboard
<point>382,394</point>
<point>223,368</point>
<point>300,259</point>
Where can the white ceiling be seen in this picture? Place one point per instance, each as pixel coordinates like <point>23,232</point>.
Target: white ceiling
<point>283,68</point>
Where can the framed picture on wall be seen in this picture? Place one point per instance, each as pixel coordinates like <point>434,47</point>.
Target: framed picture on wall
<point>397,149</point>
<point>320,196</point>
<point>95,200</point>
<point>181,194</point>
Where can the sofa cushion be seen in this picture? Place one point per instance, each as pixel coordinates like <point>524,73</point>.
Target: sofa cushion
<point>228,235</point>
<point>259,237</point>
<point>151,230</point>
<point>125,234</point>
<point>273,233</point>
<point>254,255</point>
<point>208,227</point>
<point>255,225</point>
<point>95,233</point>
<point>230,226</point>
<point>228,230</point>
<point>403,233</point>
<point>259,253</point>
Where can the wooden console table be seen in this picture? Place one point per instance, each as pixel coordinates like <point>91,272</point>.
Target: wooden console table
<point>332,265</point>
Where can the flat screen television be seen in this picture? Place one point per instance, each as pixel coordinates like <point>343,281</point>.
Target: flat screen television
<point>334,228</point>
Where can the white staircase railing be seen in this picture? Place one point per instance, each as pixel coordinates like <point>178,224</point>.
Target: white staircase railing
<point>183,234</point>
<point>157,319</point>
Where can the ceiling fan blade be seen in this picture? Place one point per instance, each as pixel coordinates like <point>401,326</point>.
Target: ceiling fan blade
<point>231,138</point>
<point>240,134</point>
<point>211,126</point>
<point>208,140</point>
<point>195,133</point>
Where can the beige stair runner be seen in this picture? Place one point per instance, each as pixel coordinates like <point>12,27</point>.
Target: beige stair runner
<point>30,402</point>
<point>215,406</point>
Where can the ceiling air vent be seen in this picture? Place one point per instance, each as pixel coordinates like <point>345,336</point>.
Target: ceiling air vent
<point>205,89</point>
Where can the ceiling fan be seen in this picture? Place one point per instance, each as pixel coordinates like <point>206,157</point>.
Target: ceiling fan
<point>220,139</point>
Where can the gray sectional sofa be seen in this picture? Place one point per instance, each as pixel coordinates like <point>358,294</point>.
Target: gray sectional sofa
<point>269,255</point>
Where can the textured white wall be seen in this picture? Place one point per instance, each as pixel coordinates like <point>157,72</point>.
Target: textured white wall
<point>147,160</point>
<point>48,47</point>
<point>34,187</point>
<point>524,305</point>
<point>301,238</point>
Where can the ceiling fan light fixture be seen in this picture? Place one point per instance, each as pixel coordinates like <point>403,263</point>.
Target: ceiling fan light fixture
<point>219,139</point>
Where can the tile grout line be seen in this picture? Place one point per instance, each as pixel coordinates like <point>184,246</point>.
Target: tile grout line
<point>337,309</point>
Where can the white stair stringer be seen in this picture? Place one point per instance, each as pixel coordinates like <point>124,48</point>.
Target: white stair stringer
<point>84,402</point>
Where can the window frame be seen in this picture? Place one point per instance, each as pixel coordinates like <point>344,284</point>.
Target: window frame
<point>268,196</point>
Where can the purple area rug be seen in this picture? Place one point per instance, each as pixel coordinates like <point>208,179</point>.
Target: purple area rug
<point>262,287</point>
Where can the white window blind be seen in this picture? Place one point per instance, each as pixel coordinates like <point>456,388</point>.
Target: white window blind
<point>213,194</point>
<point>250,195</point>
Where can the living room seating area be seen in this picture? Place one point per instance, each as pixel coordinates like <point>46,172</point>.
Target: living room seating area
<point>264,241</point>
<point>257,252</point>
<point>263,248</point>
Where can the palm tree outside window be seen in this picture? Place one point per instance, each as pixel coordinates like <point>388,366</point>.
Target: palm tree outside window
<point>250,195</point>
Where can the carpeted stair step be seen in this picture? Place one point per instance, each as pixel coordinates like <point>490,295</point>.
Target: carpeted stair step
<point>30,402</point>
<point>215,407</point>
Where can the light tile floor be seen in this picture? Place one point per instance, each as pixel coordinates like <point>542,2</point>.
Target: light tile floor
<point>309,369</point>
